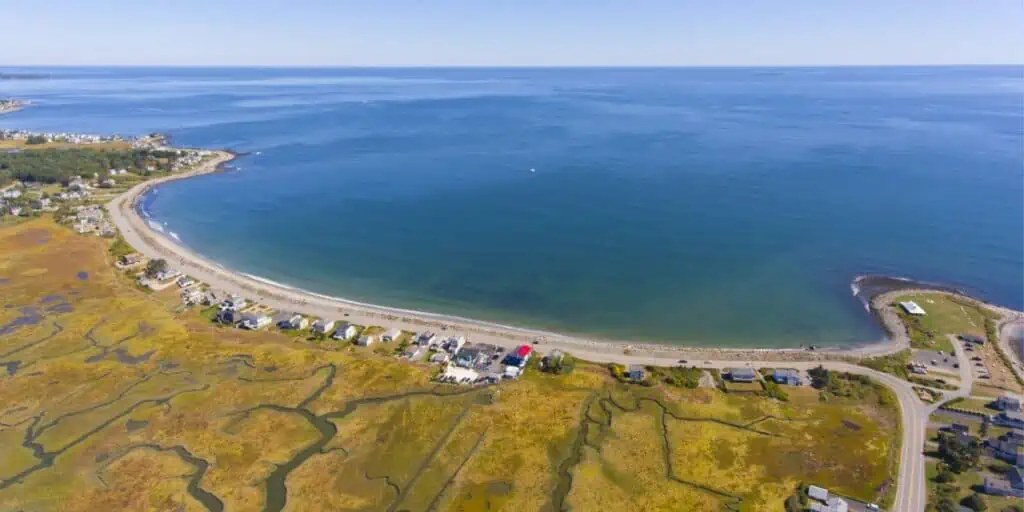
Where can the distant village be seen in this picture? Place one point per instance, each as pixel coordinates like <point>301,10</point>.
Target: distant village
<point>78,200</point>
<point>151,141</point>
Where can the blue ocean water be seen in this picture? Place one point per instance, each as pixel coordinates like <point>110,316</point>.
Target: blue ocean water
<point>698,206</point>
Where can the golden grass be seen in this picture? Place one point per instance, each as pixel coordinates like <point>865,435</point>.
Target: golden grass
<point>117,385</point>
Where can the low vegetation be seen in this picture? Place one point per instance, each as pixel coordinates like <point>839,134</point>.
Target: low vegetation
<point>893,364</point>
<point>59,165</point>
<point>113,399</point>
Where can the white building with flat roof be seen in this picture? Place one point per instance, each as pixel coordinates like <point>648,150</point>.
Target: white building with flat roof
<point>912,308</point>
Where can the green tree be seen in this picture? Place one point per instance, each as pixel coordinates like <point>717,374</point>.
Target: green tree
<point>960,457</point>
<point>975,502</point>
<point>945,477</point>
<point>155,267</point>
<point>946,504</point>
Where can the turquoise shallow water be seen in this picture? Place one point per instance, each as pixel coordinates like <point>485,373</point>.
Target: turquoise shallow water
<point>699,206</point>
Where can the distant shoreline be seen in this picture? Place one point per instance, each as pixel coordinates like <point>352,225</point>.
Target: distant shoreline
<point>126,215</point>
<point>12,106</point>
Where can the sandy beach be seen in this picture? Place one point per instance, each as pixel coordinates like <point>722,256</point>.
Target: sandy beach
<point>154,244</point>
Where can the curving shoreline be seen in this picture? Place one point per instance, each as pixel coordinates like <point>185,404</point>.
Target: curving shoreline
<point>124,211</point>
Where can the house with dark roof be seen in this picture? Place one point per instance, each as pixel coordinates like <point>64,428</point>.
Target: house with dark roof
<point>742,375</point>
<point>1009,419</point>
<point>1007,403</point>
<point>636,372</point>
<point>787,376</point>
<point>1012,485</point>
<point>229,316</point>
<point>519,356</point>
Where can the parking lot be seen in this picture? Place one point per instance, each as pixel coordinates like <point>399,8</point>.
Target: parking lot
<point>942,361</point>
<point>486,365</point>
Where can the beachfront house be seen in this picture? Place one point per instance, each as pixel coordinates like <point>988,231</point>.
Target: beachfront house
<point>427,339</point>
<point>294,322</point>
<point>742,375</point>
<point>453,344</point>
<point>345,332</point>
<point>191,296</point>
<point>391,335</point>
<point>519,357</point>
<point>412,352</point>
<point>165,275</point>
<point>787,376</point>
<point>366,340</point>
<point>912,308</point>
<point>233,302</point>
<point>130,260</point>
<point>1008,403</point>
<point>229,316</point>
<point>467,357</point>
<point>185,281</point>
<point>253,321</point>
<point>323,326</point>
<point>440,358</point>
<point>636,372</point>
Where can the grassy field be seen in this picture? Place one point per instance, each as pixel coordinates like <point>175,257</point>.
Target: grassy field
<point>115,399</point>
<point>945,315</point>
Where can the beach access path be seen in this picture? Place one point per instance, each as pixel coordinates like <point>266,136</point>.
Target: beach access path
<point>911,493</point>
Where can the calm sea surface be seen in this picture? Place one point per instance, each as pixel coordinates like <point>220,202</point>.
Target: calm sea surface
<point>699,206</point>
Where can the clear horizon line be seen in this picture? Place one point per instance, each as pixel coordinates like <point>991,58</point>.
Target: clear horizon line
<point>513,66</point>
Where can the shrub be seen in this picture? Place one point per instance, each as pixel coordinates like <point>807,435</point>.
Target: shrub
<point>945,477</point>
<point>975,502</point>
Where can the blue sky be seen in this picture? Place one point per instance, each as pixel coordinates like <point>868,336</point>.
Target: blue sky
<point>511,32</point>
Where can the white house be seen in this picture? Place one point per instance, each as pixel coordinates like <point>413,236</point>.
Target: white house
<point>391,335</point>
<point>912,308</point>
<point>817,493</point>
<point>439,358</point>
<point>295,322</point>
<point>11,193</point>
<point>323,326</point>
<point>345,332</point>
<point>366,340</point>
<point>253,321</point>
<point>191,296</point>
